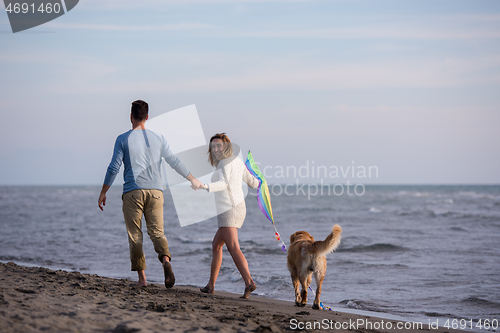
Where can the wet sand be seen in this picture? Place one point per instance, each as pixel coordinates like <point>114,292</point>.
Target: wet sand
<point>35,299</point>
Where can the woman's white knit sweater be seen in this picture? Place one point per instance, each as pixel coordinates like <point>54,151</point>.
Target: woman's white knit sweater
<point>227,185</point>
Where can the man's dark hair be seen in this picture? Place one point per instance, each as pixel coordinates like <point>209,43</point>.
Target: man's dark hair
<point>139,110</point>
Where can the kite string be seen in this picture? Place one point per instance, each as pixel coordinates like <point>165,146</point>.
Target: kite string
<point>283,247</point>
<point>278,238</point>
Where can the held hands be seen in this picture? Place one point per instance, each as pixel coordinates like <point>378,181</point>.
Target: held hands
<point>196,184</point>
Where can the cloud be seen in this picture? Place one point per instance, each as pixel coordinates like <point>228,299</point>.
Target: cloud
<point>112,27</point>
<point>438,27</point>
<point>299,74</point>
<point>373,33</point>
<point>474,17</point>
<point>10,57</point>
<point>99,5</point>
<point>143,3</point>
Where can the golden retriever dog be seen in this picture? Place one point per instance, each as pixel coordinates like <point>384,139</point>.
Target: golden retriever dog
<point>305,257</point>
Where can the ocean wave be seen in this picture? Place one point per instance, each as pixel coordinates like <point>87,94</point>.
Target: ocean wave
<point>271,280</point>
<point>424,211</point>
<point>353,305</point>
<point>361,305</point>
<point>481,302</point>
<point>410,213</point>
<point>268,284</point>
<point>475,195</point>
<point>346,262</point>
<point>196,252</point>
<point>440,213</point>
<point>260,249</point>
<point>441,201</point>
<point>414,194</point>
<point>379,247</point>
<point>35,262</point>
<point>441,315</point>
<point>315,209</point>
<point>375,210</point>
<point>235,277</point>
<point>249,242</point>
<point>477,216</point>
<point>17,259</point>
<point>193,240</point>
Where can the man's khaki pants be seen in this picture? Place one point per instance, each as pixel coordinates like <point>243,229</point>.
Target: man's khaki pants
<point>150,204</point>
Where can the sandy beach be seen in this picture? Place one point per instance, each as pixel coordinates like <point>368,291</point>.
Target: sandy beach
<point>35,299</point>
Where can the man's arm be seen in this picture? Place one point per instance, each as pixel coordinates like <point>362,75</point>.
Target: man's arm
<point>113,168</point>
<point>178,166</point>
<point>102,196</point>
<point>116,162</point>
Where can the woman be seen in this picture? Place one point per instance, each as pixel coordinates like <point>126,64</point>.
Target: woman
<point>231,209</point>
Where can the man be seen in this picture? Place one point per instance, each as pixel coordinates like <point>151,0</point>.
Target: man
<point>141,151</point>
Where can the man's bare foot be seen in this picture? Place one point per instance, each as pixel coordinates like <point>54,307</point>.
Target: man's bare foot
<point>141,279</point>
<point>169,275</point>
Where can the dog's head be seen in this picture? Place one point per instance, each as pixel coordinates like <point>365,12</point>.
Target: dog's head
<point>298,236</point>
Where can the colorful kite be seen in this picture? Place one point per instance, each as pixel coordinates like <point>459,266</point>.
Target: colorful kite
<point>263,197</point>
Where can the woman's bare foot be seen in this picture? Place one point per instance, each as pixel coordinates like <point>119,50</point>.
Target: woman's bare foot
<point>248,290</point>
<point>207,290</point>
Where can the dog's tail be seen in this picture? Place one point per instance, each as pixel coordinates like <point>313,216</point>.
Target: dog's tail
<point>330,243</point>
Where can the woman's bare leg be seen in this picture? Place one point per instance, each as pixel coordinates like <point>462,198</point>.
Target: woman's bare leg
<point>230,236</point>
<point>217,245</point>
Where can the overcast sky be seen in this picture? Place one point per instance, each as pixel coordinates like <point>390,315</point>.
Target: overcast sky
<point>408,87</point>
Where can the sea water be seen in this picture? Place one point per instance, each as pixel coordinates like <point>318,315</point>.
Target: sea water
<point>417,252</point>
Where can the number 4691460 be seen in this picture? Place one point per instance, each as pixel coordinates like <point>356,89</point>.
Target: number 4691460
<point>470,324</point>
<point>24,8</point>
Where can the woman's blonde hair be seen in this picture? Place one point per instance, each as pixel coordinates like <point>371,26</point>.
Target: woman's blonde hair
<point>227,150</point>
